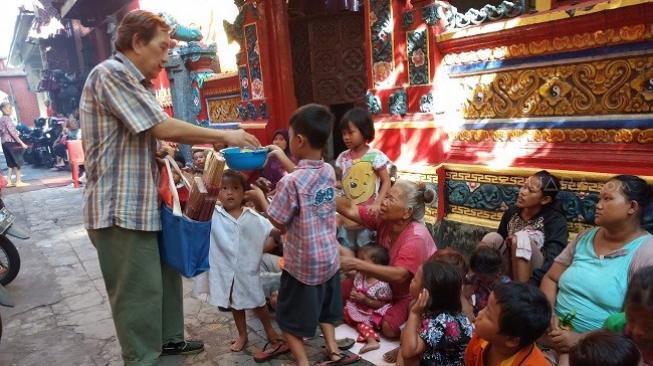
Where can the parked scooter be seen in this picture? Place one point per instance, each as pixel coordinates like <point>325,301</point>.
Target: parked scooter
<point>9,257</point>
<point>40,141</point>
<point>5,300</point>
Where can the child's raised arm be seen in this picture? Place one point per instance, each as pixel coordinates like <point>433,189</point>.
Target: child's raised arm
<point>286,163</point>
<point>257,196</point>
<point>348,209</point>
<point>412,345</point>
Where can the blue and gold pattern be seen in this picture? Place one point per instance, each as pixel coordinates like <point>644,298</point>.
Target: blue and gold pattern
<point>399,102</point>
<point>244,82</point>
<point>373,102</point>
<point>381,26</point>
<point>487,196</point>
<point>254,61</point>
<point>408,19</point>
<point>418,57</point>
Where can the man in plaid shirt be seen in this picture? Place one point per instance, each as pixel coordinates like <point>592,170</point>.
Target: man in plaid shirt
<point>304,205</point>
<point>122,121</point>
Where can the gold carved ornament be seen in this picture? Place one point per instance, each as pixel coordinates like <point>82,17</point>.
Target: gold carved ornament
<point>618,136</point>
<point>615,86</point>
<point>556,44</point>
<point>223,110</point>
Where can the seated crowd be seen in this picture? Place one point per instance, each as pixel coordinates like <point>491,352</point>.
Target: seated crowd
<point>524,296</point>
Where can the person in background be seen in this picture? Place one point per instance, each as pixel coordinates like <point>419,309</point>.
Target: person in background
<point>274,169</point>
<point>534,231</point>
<point>605,349</point>
<point>70,132</point>
<point>485,272</point>
<point>12,146</point>
<point>363,173</point>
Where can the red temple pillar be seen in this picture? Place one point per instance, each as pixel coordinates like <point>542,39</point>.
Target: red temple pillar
<point>283,96</point>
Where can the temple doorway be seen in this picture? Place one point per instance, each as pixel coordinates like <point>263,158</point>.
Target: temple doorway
<point>328,55</point>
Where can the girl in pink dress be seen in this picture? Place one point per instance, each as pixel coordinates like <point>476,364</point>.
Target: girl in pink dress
<point>369,299</point>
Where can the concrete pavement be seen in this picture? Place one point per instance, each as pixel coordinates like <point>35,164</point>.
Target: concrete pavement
<point>62,315</point>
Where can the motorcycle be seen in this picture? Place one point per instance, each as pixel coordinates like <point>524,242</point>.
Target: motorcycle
<point>5,300</point>
<point>41,142</point>
<point>9,257</point>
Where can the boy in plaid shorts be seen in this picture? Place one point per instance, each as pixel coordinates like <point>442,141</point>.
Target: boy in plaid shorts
<point>304,206</point>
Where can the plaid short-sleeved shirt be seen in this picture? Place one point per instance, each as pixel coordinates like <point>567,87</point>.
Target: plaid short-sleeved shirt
<point>305,203</point>
<point>116,110</point>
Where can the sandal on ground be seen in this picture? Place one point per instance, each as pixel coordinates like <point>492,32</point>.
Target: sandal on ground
<point>345,359</point>
<point>345,343</point>
<point>22,184</point>
<point>9,185</point>
<point>271,350</point>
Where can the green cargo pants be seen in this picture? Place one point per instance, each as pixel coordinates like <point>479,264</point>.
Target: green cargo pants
<point>145,295</point>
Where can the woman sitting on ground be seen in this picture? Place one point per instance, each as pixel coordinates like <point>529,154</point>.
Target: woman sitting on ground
<point>534,231</point>
<point>408,241</point>
<point>588,281</point>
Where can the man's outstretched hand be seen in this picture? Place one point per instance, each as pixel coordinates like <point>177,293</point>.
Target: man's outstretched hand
<point>239,138</point>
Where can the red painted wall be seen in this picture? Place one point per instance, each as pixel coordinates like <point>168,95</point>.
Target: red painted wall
<point>26,107</point>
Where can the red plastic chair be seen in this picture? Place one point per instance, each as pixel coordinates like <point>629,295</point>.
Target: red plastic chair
<point>75,158</point>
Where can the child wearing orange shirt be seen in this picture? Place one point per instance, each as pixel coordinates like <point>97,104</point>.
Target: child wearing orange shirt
<point>516,315</point>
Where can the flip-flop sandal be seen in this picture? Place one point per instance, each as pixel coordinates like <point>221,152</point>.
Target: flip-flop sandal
<point>344,359</point>
<point>269,351</point>
<point>345,343</point>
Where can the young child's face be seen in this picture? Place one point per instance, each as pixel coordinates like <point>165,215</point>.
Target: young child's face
<point>487,321</point>
<point>639,326</point>
<point>352,136</point>
<point>231,194</point>
<point>416,284</point>
<point>198,160</point>
<point>280,141</point>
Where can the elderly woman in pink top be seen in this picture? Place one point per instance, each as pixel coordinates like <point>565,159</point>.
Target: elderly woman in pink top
<point>399,228</point>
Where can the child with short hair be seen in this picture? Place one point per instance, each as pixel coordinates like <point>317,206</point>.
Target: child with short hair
<point>371,180</point>
<point>304,206</point>
<point>199,158</point>
<point>369,299</point>
<point>516,315</point>
<point>637,320</point>
<point>485,272</point>
<point>237,237</point>
<point>606,349</point>
<point>437,332</point>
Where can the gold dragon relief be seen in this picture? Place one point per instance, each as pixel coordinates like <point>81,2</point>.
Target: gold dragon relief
<point>615,86</point>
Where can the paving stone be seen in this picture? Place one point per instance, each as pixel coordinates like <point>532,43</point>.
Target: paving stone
<point>62,315</point>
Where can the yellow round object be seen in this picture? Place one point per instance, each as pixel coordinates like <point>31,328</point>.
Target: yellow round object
<point>359,183</point>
